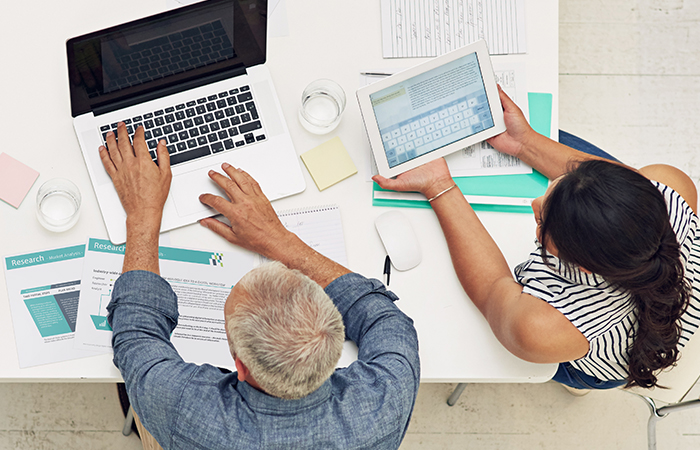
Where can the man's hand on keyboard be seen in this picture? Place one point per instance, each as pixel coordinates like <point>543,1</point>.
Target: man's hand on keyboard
<point>141,184</point>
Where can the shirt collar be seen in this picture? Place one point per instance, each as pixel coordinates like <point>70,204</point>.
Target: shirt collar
<point>263,403</point>
<point>570,271</point>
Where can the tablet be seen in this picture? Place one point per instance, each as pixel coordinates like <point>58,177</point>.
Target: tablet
<point>432,110</point>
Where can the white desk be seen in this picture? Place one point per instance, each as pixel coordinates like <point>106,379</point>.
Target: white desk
<point>327,39</point>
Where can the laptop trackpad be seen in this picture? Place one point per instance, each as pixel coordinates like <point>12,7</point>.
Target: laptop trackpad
<point>186,189</point>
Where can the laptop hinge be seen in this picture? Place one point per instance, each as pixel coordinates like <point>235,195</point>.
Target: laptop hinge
<point>169,90</point>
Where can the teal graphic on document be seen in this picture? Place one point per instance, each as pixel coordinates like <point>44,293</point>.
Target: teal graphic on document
<point>45,257</point>
<point>100,322</point>
<point>190,256</point>
<point>47,316</point>
<point>217,259</point>
<point>57,313</point>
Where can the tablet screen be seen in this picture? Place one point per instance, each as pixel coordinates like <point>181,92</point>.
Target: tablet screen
<point>432,110</point>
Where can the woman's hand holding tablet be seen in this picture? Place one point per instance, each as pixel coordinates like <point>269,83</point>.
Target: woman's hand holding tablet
<point>431,110</point>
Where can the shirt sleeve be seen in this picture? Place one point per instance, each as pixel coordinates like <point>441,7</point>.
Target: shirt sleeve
<point>142,314</point>
<point>386,339</point>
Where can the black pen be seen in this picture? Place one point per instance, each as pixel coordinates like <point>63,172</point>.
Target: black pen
<point>375,74</point>
<point>387,270</point>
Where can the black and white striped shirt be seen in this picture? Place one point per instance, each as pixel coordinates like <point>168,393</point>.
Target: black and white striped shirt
<point>603,314</point>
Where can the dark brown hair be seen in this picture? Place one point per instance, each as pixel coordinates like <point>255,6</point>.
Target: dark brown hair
<point>612,221</point>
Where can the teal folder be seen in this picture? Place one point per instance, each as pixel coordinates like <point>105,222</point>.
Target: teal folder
<point>530,185</point>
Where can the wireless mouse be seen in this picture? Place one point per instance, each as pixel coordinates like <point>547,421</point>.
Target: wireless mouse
<point>399,240</point>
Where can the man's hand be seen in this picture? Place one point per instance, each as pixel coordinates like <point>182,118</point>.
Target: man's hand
<point>143,188</point>
<point>254,223</point>
<point>518,131</point>
<point>256,227</point>
<point>142,185</point>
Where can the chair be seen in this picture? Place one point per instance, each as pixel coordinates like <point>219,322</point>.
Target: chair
<point>683,390</point>
<point>682,381</point>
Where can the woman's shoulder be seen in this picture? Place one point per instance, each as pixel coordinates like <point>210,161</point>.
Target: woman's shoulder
<point>675,179</point>
<point>683,220</point>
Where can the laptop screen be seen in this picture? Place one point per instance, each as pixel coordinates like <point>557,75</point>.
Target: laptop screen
<point>185,47</point>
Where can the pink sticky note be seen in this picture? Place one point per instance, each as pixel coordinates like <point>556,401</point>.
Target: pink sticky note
<point>15,180</point>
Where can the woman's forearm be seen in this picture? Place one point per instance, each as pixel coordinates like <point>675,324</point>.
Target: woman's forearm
<point>549,157</point>
<point>477,260</point>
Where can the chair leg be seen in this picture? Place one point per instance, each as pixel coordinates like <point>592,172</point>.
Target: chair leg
<point>128,420</point>
<point>456,393</point>
<point>659,413</point>
<point>651,424</point>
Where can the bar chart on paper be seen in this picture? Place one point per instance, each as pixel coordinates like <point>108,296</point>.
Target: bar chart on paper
<point>426,28</point>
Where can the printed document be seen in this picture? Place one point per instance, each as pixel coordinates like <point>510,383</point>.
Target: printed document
<point>43,289</point>
<point>482,159</point>
<point>201,280</point>
<point>425,28</point>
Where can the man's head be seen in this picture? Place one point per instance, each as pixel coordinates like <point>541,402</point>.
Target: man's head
<point>285,329</point>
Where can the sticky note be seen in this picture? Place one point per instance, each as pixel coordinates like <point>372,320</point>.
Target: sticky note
<point>329,163</point>
<point>15,180</point>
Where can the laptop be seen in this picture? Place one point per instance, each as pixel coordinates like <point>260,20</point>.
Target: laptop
<point>196,77</point>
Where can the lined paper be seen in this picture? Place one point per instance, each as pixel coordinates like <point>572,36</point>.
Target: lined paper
<point>320,228</point>
<point>426,28</point>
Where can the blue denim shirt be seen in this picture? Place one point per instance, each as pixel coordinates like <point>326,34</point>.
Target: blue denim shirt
<point>186,406</point>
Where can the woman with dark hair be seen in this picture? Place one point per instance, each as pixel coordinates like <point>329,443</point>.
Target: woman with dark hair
<point>608,291</point>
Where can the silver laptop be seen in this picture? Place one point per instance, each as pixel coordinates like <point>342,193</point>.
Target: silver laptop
<point>196,77</point>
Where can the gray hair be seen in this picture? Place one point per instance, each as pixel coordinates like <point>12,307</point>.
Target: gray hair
<point>287,332</point>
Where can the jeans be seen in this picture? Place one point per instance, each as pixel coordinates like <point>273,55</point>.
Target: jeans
<point>583,146</point>
<point>568,374</point>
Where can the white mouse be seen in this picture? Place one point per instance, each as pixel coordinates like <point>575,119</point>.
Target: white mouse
<point>399,240</point>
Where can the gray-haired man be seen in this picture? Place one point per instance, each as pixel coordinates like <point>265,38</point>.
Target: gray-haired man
<point>285,323</point>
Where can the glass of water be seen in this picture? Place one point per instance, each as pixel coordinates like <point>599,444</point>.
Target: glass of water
<point>322,105</point>
<point>58,204</point>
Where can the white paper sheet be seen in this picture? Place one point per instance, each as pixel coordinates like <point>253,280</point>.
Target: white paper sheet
<point>320,227</point>
<point>202,281</point>
<point>43,289</point>
<point>424,28</point>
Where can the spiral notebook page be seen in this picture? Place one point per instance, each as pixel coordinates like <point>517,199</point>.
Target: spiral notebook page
<point>320,228</point>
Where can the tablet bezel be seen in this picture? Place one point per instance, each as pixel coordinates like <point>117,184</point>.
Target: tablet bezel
<point>370,121</point>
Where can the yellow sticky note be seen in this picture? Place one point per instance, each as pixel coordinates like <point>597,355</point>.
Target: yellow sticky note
<point>329,163</point>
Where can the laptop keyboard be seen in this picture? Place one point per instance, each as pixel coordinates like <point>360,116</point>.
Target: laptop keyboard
<point>199,128</point>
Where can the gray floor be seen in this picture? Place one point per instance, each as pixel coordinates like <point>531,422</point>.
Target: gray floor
<point>630,83</point>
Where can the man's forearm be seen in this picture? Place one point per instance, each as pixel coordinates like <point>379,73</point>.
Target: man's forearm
<point>142,244</point>
<point>295,254</point>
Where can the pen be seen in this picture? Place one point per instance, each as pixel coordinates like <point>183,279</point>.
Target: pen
<point>387,270</point>
<point>376,74</point>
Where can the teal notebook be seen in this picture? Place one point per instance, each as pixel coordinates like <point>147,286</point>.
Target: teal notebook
<point>531,185</point>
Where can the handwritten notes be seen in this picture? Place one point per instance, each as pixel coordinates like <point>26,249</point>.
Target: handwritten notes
<point>425,28</point>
